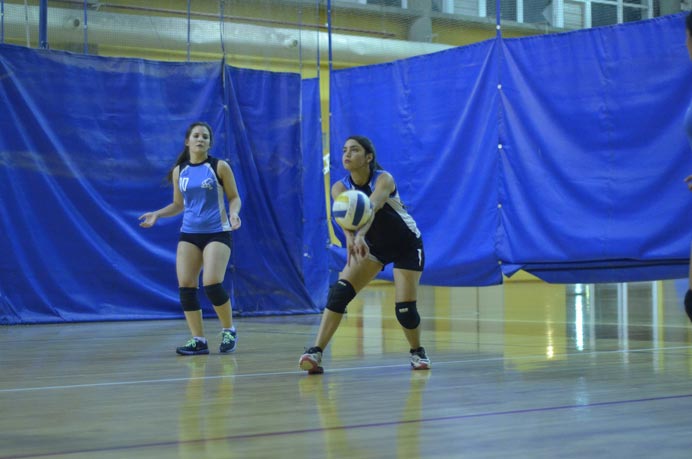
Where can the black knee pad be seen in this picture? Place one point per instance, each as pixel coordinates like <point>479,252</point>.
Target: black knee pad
<point>688,303</point>
<point>216,294</point>
<point>407,314</point>
<point>188,299</point>
<point>340,294</point>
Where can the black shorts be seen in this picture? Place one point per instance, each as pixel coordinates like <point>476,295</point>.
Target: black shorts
<point>201,240</point>
<point>410,257</point>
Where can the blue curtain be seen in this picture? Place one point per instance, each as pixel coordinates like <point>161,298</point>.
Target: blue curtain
<point>433,121</point>
<point>315,232</point>
<point>563,155</point>
<point>594,153</point>
<point>85,144</point>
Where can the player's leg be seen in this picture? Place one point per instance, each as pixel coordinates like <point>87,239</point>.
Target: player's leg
<point>407,273</point>
<point>216,256</point>
<point>352,279</point>
<point>405,296</point>
<point>188,263</point>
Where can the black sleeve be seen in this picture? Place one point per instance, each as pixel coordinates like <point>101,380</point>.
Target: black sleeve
<point>215,166</point>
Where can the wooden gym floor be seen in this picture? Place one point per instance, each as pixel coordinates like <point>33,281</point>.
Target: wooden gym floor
<point>523,370</point>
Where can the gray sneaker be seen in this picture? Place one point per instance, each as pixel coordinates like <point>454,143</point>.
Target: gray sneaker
<point>310,361</point>
<point>419,361</point>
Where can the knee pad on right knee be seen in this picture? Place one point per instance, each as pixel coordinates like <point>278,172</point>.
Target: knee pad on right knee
<point>188,299</point>
<point>340,294</point>
<point>688,304</point>
<point>407,314</point>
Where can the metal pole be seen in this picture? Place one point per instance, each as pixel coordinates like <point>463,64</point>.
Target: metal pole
<point>329,33</point>
<point>222,4</point>
<point>498,18</point>
<point>43,24</point>
<point>188,30</point>
<point>26,23</point>
<point>330,69</point>
<point>86,34</point>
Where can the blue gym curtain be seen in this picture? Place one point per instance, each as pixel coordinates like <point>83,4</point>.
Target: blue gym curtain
<point>433,121</point>
<point>563,155</point>
<point>85,145</point>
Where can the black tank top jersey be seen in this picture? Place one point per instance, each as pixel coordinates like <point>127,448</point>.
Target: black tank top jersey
<point>393,225</point>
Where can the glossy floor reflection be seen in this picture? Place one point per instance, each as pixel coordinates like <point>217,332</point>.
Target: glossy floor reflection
<point>522,370</point>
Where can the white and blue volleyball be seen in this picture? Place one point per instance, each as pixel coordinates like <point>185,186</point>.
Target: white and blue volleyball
<point>352,209</point>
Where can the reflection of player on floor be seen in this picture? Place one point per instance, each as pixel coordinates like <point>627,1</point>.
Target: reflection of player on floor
<point>206,410</point>
<point>326,396</point>
<point>688,179</point>
<point>389,236</point>
<point>343,428</point>
<point>408,430</point>
<point>199,185</point>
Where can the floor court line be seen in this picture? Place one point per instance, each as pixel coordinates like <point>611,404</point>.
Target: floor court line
<point>356,426</point>
<point>330,370</point>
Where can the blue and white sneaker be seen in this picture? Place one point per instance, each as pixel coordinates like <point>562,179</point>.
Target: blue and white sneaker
<point>193,347</point>
<point>228,341</point>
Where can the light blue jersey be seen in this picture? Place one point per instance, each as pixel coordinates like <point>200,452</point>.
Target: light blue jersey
<point>203,196</point>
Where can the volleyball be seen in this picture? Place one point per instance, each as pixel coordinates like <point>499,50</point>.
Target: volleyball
<point>352,209</point>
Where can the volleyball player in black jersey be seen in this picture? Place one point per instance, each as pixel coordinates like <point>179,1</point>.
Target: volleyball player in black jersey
<point>390,236</point>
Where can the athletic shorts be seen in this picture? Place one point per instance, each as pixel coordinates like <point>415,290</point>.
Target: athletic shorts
<point>201,240</point>
<point>410,257</point>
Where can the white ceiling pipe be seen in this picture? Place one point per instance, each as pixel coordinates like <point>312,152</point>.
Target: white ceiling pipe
<point>170,33</point>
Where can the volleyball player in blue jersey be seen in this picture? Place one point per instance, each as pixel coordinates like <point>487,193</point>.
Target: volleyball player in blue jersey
<point>390,236</point>
<point>200,183</point>
<point>688,179</point>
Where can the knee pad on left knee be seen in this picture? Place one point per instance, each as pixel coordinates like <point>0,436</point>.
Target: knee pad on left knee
<point>216,294</point>
<point>407,314</point>
<point>340,294</point>
<point>688,304</point>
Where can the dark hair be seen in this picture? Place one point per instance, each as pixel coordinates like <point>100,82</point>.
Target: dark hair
<point>369,148</point>
<point>688,23</point>
<point>185,154</point>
